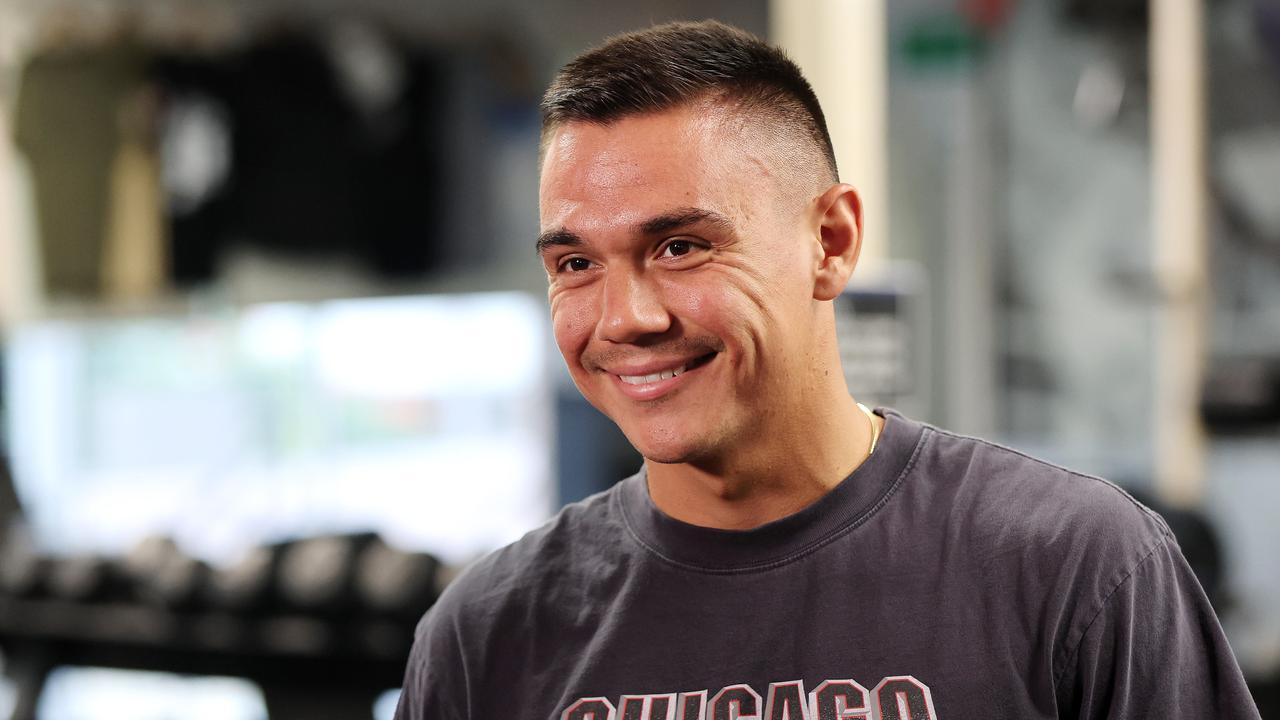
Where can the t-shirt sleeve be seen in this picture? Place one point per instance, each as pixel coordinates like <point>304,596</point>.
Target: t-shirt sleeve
<point>435,686</point>
<point>1155,649</point>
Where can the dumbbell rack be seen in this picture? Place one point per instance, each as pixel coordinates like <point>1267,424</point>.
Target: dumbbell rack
<point>307,666</point>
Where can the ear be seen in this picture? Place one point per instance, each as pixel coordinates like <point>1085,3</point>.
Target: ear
<point>839,212</point>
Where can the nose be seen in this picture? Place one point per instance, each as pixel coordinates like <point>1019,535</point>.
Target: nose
<point>631,308</point>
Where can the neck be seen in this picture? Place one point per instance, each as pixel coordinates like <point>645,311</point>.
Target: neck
<point>780,470</point>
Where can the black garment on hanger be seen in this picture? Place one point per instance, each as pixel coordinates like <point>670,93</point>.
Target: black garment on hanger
<point>312,172</point>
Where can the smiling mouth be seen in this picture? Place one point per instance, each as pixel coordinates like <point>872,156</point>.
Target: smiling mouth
<point>667,374</point>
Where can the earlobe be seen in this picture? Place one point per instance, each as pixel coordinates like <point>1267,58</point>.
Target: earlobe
<point>840,231</point>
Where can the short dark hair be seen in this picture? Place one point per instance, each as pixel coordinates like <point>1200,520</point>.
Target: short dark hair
<point>669,65</point>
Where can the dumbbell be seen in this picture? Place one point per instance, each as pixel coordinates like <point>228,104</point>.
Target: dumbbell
<point>23,571</point>
<point>83,577</point>
<point>26,572</point>
<point>395,582</point>
<point>247,585</point>
<point>316,575</point>
<point>160,573</point>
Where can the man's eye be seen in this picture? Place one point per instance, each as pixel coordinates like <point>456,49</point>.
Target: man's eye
<point>575,264</point>
<point>676,248</point>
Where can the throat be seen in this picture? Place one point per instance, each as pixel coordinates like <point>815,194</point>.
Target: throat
<point>734,501</point>
<point>770,478</point>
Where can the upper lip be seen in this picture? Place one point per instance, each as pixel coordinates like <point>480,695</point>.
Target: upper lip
<point>650,367</point>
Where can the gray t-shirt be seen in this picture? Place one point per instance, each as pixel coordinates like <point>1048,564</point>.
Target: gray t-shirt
<point>946,577</point>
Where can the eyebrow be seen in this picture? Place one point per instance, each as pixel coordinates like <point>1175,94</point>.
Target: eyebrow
<point>657,225</point>
<point>559,236</point>
<point>680,218</point>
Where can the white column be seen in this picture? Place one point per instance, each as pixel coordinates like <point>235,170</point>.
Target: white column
<point>1180,246</point>
<point>841,46</point>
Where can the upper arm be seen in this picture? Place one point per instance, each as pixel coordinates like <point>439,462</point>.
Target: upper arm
<point>435,679</point>
<point>1154,648</point>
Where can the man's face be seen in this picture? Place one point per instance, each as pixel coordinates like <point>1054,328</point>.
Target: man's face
<point>681,278</point>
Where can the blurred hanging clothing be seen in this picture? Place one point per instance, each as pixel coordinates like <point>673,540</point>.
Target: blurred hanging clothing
<point>195,141</point>
<point>133,265</point>
<point>294,157</point>
<point>66,123</point>
<point>332,143</point>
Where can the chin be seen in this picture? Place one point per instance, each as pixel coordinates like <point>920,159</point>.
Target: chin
<point>659,446</point>
<point>666,456</point>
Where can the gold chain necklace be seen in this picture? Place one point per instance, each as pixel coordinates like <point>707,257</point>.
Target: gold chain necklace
<point>875,429</point>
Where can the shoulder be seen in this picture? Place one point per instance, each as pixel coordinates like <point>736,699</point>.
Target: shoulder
<point>544,560</point>
<point>1007,501</point>
<point>482,622</point>
<point>1059,544</point>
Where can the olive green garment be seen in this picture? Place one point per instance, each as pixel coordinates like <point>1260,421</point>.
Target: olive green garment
<point>66,123</point>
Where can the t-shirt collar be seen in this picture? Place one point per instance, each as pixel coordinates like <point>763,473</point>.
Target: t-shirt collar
<point>850,503</point>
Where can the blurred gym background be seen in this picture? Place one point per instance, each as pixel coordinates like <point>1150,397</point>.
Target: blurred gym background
<point>275,352</point>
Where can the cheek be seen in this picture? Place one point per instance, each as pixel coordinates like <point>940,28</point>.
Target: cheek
<point>685,300</point>
<point>702,307</point>
<point>724,302</point>
<point>573,321</point>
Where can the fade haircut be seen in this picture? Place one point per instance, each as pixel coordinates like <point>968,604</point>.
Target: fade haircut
<point>669,65</point>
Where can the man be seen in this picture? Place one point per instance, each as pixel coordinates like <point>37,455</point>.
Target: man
<point>784,553</point>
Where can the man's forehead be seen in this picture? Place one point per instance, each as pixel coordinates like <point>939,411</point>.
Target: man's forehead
<point>694,118</point>
<point>640,165</point>
<point>636,145</point>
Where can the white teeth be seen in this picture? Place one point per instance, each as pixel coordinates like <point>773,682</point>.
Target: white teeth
<point>653,377</point>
